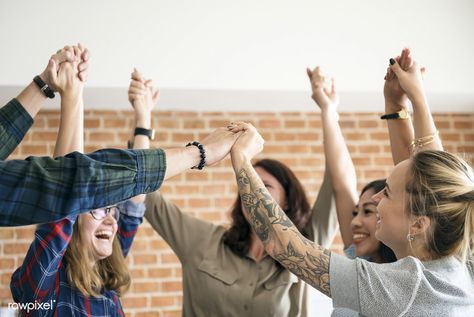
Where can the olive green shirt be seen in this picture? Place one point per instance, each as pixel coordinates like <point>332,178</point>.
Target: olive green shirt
<point>217,282</point>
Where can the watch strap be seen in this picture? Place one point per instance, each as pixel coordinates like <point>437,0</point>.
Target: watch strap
<point>44,87</point>
<point>150,133</point>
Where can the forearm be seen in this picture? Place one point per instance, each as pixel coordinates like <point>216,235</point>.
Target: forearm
<point>15,121</point>
<point>338,158</point>
<point>141,141</point>
<point>281,238</point>
<point>400,133</point>
<point>342,172</point>
<point>179,160</point>
<point>63,186</point>
<point>424,125</point>
<point>32,99</point>
<point>71,127</point>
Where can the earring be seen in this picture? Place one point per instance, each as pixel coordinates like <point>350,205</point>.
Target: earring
<point>410,237</point>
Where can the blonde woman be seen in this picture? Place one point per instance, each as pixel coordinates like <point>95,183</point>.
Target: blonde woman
<point>426,216</point>
<point>77,264</point>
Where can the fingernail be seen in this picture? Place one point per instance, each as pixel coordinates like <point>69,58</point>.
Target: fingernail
<point>392,61</point>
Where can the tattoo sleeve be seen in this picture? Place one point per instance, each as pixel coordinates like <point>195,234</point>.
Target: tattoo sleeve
<point>281,238</point>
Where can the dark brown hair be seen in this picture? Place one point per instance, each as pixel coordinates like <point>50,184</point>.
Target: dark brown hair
<point>386,254</point>
<point>298,209</point>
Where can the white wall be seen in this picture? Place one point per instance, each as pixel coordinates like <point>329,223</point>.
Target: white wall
<point>250,47</point>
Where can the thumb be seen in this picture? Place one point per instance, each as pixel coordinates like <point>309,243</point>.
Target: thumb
<point>395,67</point>
<point>52,71</point>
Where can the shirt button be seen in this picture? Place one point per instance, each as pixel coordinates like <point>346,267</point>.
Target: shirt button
<point>251,284</point>
<point>246,307</point>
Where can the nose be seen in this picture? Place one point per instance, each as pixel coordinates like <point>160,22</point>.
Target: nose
<point>109,218</point>
<point>355,222</point>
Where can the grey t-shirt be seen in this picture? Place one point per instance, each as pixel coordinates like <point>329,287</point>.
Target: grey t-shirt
<point>408,287</point>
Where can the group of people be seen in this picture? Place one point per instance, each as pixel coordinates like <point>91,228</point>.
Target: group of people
<point>408,239</point>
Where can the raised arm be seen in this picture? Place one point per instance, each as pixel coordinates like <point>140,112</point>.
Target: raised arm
<point>338,159</point>
<point>36,278</point>
<point>411,82</point>
<point>400,130</point>
<point>281,239</point>
<point>17,116</point>
<point>143,97</point>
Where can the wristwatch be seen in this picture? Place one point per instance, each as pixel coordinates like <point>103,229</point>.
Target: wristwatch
<point>401,115</point>
<point>150,133</point>
<point>45,89</point>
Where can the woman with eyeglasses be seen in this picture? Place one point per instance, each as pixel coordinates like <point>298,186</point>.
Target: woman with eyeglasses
<point>76,266</point>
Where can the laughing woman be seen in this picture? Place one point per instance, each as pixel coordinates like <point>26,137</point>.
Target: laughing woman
<point>426,216</point>
<point>78,264</point>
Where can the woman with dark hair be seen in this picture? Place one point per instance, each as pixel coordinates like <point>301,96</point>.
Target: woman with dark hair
<point>226,271</point>
<point>357,215</point>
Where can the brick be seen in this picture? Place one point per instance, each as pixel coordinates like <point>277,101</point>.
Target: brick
<point>171,286</point>
<point>92,123</point>
<point>25,233</point>
<point>300,124</point>
<point>145,259</point>
<point>146,287</point>
<point>44,136</point>
<point>101,137</point>
<point>169,258</point>
<point>273,123</point>
<point>134,302</point>
<point>7,233</point>
<point>160,272</point>
<point>35,150</point>
<point>162,301</point>
<point>464,125</point>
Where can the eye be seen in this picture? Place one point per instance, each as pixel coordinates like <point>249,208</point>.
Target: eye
<point>385,192</point>
<point>369,211</point>
<point>354,213</point>
<point>268,185</point>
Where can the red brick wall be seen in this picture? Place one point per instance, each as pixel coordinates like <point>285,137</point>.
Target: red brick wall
<point>295,138</point>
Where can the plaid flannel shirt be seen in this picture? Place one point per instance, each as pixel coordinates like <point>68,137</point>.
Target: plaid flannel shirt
<point>43,189</point>
<point>42,278</point>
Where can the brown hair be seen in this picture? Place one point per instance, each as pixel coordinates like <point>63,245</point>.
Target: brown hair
<point>442,188</point>
<point>237,237</point>
<point>110,273</point>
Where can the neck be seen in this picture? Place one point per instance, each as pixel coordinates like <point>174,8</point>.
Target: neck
<point>257,249</point>
<point>415,249</point>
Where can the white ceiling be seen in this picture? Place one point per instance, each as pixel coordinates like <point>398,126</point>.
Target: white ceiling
<point>254,48</point>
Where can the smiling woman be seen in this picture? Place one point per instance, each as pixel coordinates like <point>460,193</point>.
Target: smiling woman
<point>78,263</point>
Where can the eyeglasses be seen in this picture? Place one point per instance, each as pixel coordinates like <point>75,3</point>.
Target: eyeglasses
<point>101,213</point>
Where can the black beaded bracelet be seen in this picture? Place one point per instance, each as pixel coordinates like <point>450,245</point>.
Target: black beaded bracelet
<point>203,154</point>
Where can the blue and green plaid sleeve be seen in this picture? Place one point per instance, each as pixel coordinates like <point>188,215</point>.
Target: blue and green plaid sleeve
<point>42,189</point>
<point>14,123</point>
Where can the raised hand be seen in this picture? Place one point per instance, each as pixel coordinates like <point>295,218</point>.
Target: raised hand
<point>395,97</point>
<point>142,95</point>
<point>410,79</point>
<point>249,143</point>
<point>66,54</point>
<point>67,81</point>
<point>324,89</point>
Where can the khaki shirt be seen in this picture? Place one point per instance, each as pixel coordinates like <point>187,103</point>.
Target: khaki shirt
<point>216,281</point>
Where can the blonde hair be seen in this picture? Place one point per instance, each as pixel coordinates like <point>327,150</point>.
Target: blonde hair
<point>442,188</point>
<point>110,273</point>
